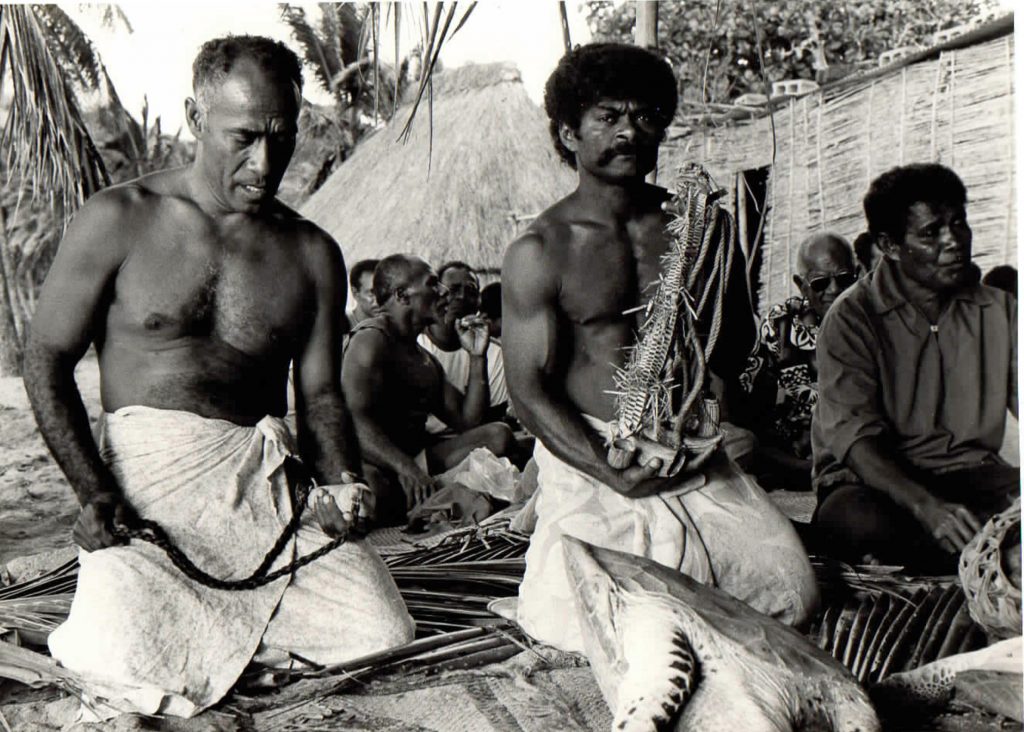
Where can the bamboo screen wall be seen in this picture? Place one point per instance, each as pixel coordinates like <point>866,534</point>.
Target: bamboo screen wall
<point>956,109</point>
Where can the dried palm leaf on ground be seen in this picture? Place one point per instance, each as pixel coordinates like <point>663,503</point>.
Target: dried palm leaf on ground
<point>37,671</point>
<point>875,635</point>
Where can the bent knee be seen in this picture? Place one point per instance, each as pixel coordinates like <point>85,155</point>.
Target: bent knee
<point>498,438</point>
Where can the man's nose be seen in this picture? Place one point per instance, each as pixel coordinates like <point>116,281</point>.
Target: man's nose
<point>626,130</point>
<point>259,158</point>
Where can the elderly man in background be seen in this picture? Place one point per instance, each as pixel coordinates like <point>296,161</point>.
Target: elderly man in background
<point>199,289</point>
<point>781,376</point>
<point>917,367</point>
<point>360,278</point>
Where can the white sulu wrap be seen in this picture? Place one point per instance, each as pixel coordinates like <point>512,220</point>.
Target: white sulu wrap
<point>718,527</point>
<point>147,638</point>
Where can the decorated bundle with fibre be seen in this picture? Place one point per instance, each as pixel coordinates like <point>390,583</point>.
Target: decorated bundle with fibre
<point>662,407</point>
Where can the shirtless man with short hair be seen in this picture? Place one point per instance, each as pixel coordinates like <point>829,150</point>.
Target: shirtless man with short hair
<point>566,284</point>
<point>392,384</point>
<point>199,289</point>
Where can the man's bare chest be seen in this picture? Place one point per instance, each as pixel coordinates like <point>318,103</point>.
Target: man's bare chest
<point>255,298</point>
<point>603,278</point>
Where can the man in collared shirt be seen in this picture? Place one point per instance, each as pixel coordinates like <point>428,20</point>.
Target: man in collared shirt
<point>916,371</point>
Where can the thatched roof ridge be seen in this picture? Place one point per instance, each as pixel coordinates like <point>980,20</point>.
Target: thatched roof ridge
<point>492,165</point>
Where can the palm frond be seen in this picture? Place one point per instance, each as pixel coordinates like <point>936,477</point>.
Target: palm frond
<point>315,51</point>
<point>875,634</point>
<point>72,48</point>
<point>112,16</point>
<point>45,139</point>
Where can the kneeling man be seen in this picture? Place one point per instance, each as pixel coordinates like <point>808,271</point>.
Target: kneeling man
<point>199,289</point>
<point>917,366</point>
<point>571,287</point>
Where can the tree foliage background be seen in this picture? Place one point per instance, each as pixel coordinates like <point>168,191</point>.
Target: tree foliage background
<point>799,37</point>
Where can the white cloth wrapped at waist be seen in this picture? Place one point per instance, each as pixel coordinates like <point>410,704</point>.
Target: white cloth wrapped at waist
<point>149,639</point>
<point>718,527</point>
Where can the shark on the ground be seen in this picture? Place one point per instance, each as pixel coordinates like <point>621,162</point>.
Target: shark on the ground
<point>672,654</point>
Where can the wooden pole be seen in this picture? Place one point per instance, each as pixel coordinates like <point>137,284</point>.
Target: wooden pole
<point>645,33</point>
<point>564,15</point>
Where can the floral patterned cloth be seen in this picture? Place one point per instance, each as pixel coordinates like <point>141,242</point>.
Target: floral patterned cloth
<point>791,371</point>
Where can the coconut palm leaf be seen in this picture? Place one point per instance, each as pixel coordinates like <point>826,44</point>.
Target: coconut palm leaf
<point>72,48</point>
<point>45,140</point>
<point>37,671</point>
<point>875,635</point>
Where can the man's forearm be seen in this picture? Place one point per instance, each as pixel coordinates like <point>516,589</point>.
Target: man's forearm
<point>327,438</point>
<point>478,393</point>
<point>64,424</point>
<point>881,471</point>
<point>562,429</point>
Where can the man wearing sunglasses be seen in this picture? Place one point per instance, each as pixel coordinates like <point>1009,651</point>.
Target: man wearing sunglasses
<point>917,369</point>
<point>781,376</point>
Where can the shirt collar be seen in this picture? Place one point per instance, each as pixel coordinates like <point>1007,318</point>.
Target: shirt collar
<point>885,293</point>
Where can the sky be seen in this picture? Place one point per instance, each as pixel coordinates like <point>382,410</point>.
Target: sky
<point>155,60</point>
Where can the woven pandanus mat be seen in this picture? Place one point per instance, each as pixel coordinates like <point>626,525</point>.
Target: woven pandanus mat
<point>993,599</point>
<point>522,694</point>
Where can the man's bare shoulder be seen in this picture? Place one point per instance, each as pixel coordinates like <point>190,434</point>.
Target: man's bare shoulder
<point>367,345</point>
<point>541,247</point>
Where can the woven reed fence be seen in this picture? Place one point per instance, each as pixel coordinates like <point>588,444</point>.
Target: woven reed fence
<point>956,109</point>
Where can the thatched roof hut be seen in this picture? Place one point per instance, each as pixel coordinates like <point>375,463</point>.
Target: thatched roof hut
<point>952,104</point>
<point>492,166</point>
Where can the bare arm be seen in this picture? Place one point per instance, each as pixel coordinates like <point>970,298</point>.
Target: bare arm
<point>326,436</point>
<point>73,301</point>
<point>529,338</point>
<point>463,412</point>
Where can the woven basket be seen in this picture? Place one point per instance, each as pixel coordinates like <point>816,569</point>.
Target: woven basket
<point>992,599</point>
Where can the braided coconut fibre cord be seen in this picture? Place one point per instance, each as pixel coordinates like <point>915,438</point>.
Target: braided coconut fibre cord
<point>669,355</point>
<point>994,601</point>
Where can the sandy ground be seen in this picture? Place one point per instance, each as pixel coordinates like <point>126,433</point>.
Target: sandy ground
<point>37,506</point>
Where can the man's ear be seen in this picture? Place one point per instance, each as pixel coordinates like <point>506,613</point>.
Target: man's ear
<point>195,117</point>
<point>568,136</point>
<point>888,245</point>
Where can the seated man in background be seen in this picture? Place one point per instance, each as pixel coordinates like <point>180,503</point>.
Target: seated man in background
<point>391,384</point>
<point>917,366</point>
<point>361,281</point>
<point>781,377</point>
<point>441,338</point>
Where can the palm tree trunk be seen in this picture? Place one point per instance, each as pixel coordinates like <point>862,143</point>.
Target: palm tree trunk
<point>10,343</point>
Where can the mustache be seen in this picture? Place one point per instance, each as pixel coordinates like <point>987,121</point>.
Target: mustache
<point>624,148</point>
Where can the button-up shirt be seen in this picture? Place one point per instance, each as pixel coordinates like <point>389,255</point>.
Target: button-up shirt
<point>936,393</point>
